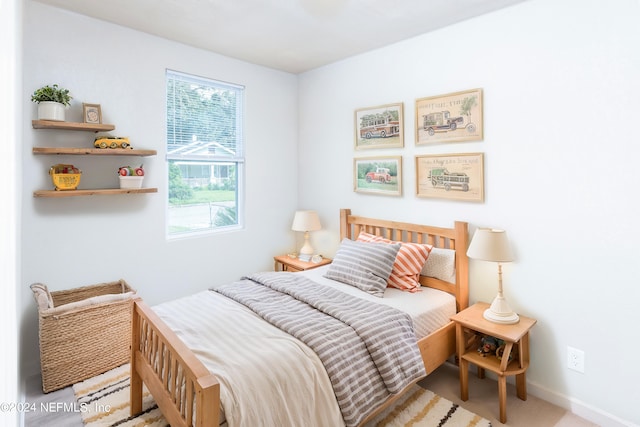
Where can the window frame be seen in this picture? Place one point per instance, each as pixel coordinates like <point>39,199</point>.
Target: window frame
<point>214,161</point>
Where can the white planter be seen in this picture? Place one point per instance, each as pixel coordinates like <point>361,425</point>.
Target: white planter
<point>131,181</point>
<point>49,110</point>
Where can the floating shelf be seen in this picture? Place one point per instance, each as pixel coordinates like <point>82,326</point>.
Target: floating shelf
<point>48,124</point>
<point>94,151</point>
<point>91,127</point>
<point>100,191</point>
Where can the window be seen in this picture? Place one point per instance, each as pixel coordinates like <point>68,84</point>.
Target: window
<point>204,154</point>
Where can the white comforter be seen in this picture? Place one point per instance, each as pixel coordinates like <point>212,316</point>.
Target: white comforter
<point>282,384</point>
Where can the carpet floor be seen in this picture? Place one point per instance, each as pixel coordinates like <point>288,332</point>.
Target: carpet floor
<point>104,401</point>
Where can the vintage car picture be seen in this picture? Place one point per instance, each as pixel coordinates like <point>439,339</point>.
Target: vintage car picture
<point>454,117</point>
<point>451,176</point>
<point>378,175</point>
<point>379,127</point>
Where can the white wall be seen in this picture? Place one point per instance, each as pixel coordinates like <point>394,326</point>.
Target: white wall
<point>561,86</point>
<point>10,102</point>
<point>71,242</point>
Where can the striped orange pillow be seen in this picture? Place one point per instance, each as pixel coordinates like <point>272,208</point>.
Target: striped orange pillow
<point>408,264</point>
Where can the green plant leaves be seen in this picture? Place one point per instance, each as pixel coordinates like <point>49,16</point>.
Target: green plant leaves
<point>52,93</point>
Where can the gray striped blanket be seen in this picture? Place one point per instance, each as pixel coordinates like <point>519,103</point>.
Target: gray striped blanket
<point>369,350</point>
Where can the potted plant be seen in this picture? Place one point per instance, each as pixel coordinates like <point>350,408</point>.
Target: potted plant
<point>51,101</point>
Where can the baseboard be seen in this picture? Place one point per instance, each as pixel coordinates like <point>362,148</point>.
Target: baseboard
<point>575,406</point>
<point>571,404</point>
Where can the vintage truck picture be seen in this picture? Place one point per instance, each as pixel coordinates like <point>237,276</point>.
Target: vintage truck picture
<point>442,177</point>
<point>449,118</point>
<point>451,176</point>
<point>379,127</point>
<point>443,121</point>
<point>381,175</point>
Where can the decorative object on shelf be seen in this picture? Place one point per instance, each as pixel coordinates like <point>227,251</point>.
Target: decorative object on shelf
<point>488,345</point>
<point>111,142</point>
<point>500,351</point>
<point>131,177</point>
<point>91,113</point>
<point>379,127</point>
<point>306,221</point>
<point>378,175</point>
<point>65,177</point>
<point>52,101</point>
<point>493,245</point>
<point>492,346</point>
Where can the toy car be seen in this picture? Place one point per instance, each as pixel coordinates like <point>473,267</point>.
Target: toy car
<point>111,142</point>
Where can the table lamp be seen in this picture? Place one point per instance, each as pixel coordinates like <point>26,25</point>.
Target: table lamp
<point>493,245</point>
<point>306,221</point>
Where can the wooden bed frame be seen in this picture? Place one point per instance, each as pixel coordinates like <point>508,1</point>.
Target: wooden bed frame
<point>189,395</point>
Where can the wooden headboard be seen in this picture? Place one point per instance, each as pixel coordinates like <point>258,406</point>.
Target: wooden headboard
<point>456,238</point>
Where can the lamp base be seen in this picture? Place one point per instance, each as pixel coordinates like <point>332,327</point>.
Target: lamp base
<point>306,251</point>
<point>500,312</point>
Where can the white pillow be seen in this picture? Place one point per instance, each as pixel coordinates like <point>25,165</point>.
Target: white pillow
<point>441,264</point>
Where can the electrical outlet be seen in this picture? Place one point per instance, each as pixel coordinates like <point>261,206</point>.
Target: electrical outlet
<point>575,359</point>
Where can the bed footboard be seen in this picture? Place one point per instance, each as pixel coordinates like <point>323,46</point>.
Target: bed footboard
<point>184,389</point>
<point>438,346</point>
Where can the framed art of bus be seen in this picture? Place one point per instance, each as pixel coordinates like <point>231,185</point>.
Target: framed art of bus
<point>454,117</point>
<point>451,176</point>
<point>379,127</point>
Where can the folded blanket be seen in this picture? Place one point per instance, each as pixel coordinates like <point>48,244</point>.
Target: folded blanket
<point>369,350</point>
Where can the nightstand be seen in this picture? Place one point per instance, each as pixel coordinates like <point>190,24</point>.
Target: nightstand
<point>286,263</point>
<point>470,325</point>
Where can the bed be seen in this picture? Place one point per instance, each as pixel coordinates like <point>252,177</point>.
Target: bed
<point>188,391</point>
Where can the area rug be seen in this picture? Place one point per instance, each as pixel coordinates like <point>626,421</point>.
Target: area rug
<point>104,401</point>
<point>423,408</point>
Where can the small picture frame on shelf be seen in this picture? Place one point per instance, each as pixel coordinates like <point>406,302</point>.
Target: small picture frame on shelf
<point>91,113</point>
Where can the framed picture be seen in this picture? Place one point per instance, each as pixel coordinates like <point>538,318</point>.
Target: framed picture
<point>379,127</point>
<point>454,117</point>
<point>378,175</point>
<point>451,176</point>
<point>92,113</point>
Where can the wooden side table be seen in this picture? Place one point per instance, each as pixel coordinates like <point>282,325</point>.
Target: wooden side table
<point>471,323</point>
<point>286,263</point>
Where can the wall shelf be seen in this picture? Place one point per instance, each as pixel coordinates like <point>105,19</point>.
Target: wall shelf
<point>90,127</point>
<point>98,191</point>
<point>47,124</point>
<point>94,151</point>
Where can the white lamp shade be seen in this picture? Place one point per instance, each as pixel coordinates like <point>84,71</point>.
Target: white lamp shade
<point>489,244</point>
<point>306,221</point>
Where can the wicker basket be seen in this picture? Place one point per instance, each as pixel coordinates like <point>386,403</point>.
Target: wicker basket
<point>83,332</point>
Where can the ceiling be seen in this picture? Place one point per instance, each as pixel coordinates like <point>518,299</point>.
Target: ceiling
<point>288,35</point>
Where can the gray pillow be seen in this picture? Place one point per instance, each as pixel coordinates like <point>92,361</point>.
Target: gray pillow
<point>364,265</point>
